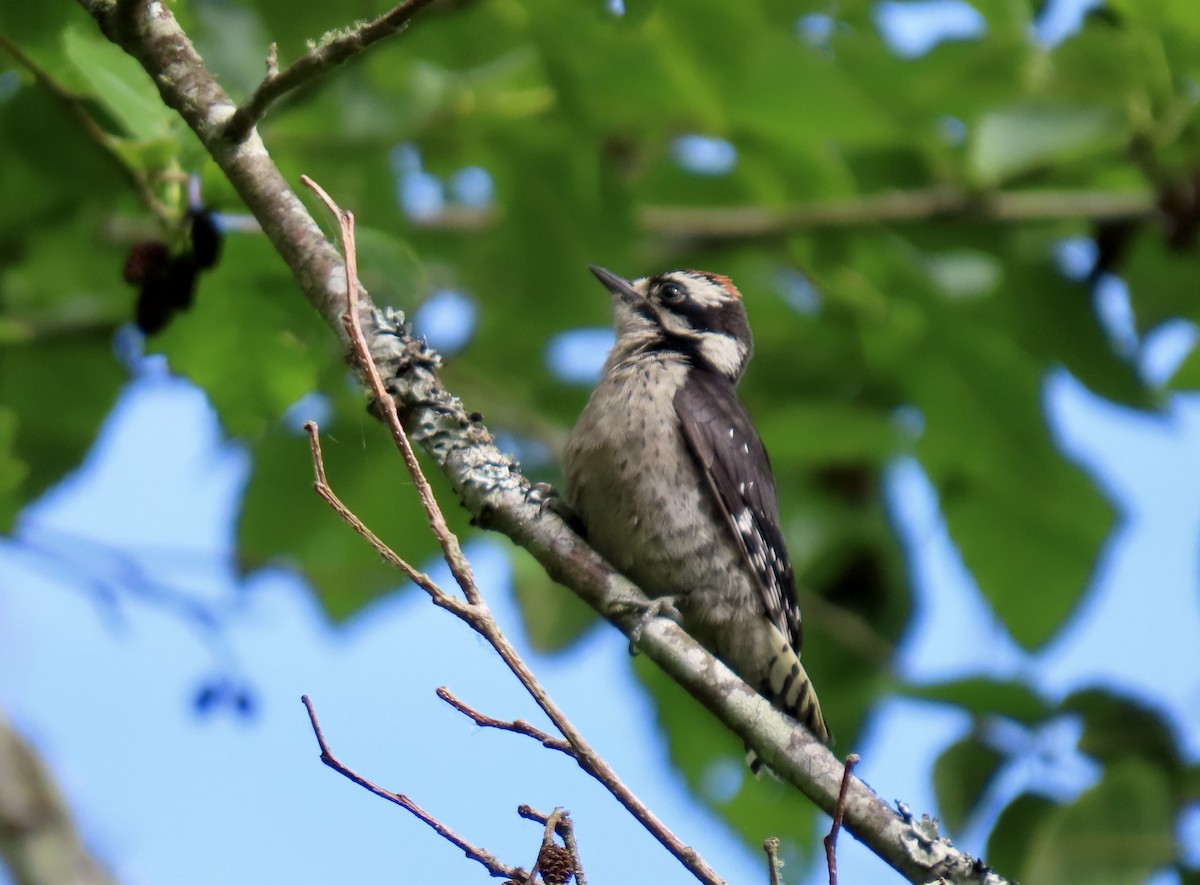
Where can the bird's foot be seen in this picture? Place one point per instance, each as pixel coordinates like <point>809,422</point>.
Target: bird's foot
<point>661,607</point>
<point>546,497</point>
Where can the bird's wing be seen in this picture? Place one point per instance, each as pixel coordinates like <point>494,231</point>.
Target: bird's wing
<point>734,462</point>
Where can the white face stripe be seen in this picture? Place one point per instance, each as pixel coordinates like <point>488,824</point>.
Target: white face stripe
<point>676,324</point>
<point>723,353</point>
<point>707,290</point>
<point>641,324</point>
<point>706,293</point>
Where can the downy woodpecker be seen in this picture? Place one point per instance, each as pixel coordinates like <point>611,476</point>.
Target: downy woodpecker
<point>673,486</point>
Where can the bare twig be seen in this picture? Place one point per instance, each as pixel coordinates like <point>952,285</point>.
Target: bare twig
<point>774,864</point>
<point>110,143</point>
<point>476,612</point>
<point>451,549</point>
<point>334,49</point>
<point>516,726</point>
<point>547,840</point>
<point>488,860</point>
<point>564,828</point>
<point>744,222</point>
<point>480,619</point>
<point>40,843</point>
<point>327,494</point>
<point>839,812</point>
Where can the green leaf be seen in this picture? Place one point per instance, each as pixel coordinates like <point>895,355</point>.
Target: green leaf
<point>1190,791</point>
<point>1013,836</point>
<point>1054,319</point>
<point>13,470</point>
<point>283,522</point>
<point>823,431</point>
<point>553,616</point>
<point>981,696</point>
<point>1055,529</point>
<point>249,340</point>
<point>1116,833</point>
<point>1115,727</point>
<point>57,391</point>
<point>119,83</point>
<point>1027,522</point>
<point>1018,138</point>
<point>964,273</point>
<point>1158,286</point>
<point>961,775</point>
<point>1186,376</point>
<point>711,758</point>
<point>33,154</point>
<point>389,266</point>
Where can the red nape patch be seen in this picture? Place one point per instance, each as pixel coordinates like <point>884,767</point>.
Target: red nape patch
<point>720,279</point>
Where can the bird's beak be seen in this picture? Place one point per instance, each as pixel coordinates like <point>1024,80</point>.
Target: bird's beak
<point>620,287</point>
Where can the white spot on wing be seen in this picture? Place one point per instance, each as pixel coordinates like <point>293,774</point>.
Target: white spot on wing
<point>745,523</point>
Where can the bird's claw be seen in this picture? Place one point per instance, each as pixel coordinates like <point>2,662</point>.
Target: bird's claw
<point>547,498</point>
<point>660,607</point>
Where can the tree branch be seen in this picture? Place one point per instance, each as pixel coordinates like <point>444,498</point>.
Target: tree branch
<point>564,828</point>
<point>839,813</point>
<point>774,864</point>
<point>747,222</point>
<point>332,50</point>
<point>488,482</point>
<point>516,726</point>
<point>38,839</point>
<point>475,611</point>
<point>487,859</point>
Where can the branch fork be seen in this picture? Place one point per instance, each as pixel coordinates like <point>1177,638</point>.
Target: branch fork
<point>471,608</point>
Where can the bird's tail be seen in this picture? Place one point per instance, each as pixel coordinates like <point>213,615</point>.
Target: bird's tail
<point>786,684</point>
<point>790,689</point>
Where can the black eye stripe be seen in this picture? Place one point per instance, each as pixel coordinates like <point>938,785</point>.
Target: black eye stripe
<point>683,323</point>
<point>699,316</point>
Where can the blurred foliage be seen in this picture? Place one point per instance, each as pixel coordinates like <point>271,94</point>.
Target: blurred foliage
<point>929,339</point>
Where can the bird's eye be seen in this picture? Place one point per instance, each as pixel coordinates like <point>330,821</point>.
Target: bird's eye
<point>671,292</point>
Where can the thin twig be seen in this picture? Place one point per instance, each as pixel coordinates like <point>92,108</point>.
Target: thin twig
<point>516,726</point>
<point>565,828</point>
<point>742,222</point>
<point>774,864</point>
<point>110,143</point>
<point>552,822</point>
<point>476,612</point>
<point>839,811</point>
<point>330,52</point>
<point>451,549</point>
<point>327,494</point>
<point>488,860</point>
